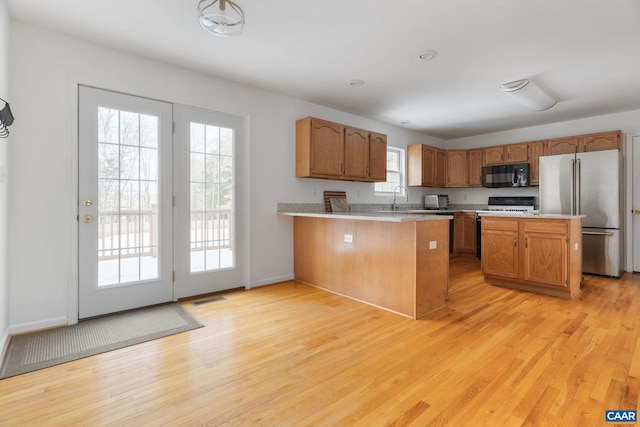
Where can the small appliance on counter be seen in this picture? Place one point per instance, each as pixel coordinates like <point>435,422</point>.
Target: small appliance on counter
<point>436,201</point>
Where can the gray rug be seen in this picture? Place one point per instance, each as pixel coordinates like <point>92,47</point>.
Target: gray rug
<point>42,349</point>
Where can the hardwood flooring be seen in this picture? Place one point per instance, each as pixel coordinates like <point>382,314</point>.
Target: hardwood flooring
<point>292,355</point>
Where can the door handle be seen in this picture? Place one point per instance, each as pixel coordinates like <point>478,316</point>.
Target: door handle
<point>598,233</point>
<point>637,211</point>
<point>87,219</point>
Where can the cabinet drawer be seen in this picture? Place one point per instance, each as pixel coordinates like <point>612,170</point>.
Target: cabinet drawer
<point>499,224</point>
<point>538,226</point>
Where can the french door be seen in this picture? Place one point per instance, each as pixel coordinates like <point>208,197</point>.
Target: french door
<point>125,202</point>
<point>210,233</point>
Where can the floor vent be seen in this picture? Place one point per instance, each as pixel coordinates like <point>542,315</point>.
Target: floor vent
<point>207,301</point>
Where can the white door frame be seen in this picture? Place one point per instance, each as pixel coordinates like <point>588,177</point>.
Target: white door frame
<point>73,92</point>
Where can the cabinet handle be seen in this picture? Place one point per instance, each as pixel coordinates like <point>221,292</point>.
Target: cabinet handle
<point>526,242</point>
<point>515,242</point>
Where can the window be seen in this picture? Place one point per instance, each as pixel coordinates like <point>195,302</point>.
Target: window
<point>395,172</point>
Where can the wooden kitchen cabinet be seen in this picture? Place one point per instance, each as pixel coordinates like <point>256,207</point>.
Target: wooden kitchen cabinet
<point>494,155</point>
<point>601,141</point>
<point>421,160</point>
<point>426,166</point>
<point>536,150</point>
<point>457,168</point>
<point>441,168</point>
<point>356,153</point>
<point>545,253</point>
<point>517,153</point>
<point>474,177</point>
<point>377,157</point>
<point>330,150</point>
<point>319,148</point>
<point>500,255</point>
<point>535,254</point>
<point>566,145</point>
<point>464,226</point>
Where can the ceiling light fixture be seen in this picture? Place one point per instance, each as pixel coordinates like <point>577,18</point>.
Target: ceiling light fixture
<point>356,83</point>
<point>427,55</point>
<point>528,94</point>
<point>6,119</point>
<point>221,17</point>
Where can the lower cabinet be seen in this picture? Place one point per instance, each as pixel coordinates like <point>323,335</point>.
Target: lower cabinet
<point>534,254</point>
<point>464,226</point>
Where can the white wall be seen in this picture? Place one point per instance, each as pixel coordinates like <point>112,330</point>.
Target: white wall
<point>4,180</point>
<point>43,69</point>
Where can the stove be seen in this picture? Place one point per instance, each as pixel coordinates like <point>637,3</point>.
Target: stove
<point>513,205</point>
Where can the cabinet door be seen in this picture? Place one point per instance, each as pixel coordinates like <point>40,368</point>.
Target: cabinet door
<point>517,153</point>
<point>457,168</point>
<point>536,150</point>
<point>562,145</point>
<point>545,253</point>
<point>475,168</point>
<point>494,155</point>
<point>500,247</point>
<point>356,153</point>
<point>377,157</point>
<point>601,141</point>
<point>440,168</point>
<point>415,164</point>
<point>327,148</point>
<point>464,230</point>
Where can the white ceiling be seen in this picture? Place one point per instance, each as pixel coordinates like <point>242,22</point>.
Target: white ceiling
<point>585,53</point>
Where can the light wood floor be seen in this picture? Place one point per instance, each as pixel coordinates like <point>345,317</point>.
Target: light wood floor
<point>289,354</point>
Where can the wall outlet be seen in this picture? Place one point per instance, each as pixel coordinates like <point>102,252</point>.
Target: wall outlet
<point>433,244</point>
<point>348,238</point>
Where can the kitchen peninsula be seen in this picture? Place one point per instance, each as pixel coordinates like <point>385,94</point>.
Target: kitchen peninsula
<point>394,261</point>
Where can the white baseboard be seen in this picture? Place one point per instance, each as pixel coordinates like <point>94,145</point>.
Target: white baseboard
<point>34,326</point>
<point>271,280</point>
<point>4,343</point>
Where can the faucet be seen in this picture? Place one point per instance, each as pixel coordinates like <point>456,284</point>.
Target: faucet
<point>406,190</point>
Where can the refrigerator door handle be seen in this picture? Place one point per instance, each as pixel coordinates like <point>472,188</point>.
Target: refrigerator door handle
<point>579,187</point>
<point>573,186</point>
<point>598,233</point>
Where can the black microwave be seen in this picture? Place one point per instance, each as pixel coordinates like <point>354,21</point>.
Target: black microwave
<point>514,175</point>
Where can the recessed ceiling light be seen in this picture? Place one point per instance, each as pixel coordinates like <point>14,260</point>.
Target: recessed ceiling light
<point>405,122</point>
<point>427,55</point>
<point>356,82</point>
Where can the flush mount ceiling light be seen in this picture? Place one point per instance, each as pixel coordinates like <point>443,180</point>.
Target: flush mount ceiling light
<point>528,94</point>
<point>427,55</point>
<point>221,17</point>
<point>356,83</point>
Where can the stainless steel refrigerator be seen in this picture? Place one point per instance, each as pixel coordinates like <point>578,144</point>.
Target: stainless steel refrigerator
<point>588,184</point>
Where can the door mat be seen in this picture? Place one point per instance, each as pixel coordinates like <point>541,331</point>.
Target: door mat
<point>42,349</point>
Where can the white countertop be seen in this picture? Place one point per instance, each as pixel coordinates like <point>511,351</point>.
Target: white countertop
<point>373,216</point>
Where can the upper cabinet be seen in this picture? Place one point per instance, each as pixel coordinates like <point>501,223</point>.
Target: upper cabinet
<point>426,166</point>
<point>474,176</point>
<point>494,155</point>
<point>592,142</point>
<point>536,150</point>
<point>377,157</point>
<point>601,141</point>
<point>517,153</point>
<point>457,165</point>
<point>330,150</point>
<point>566,145</point>
<point>503,154</point>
